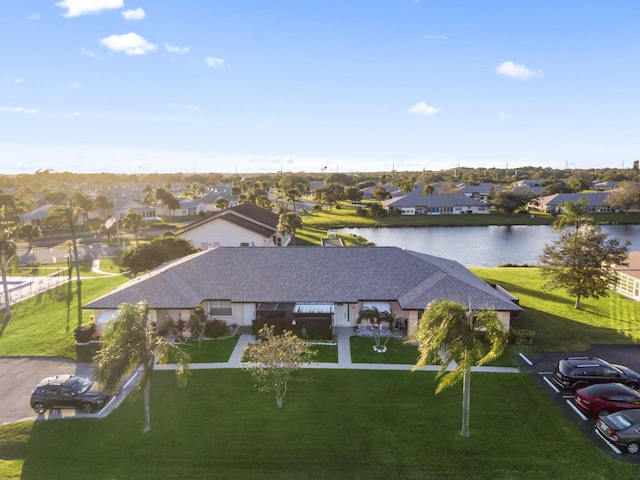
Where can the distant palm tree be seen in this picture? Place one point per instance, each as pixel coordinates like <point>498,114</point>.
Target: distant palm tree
<point>452,335</point>
<point>8,250</point>
<point>574,214</point>
<point>69,214</point>
<point>130,340</point>
<point>377,318</point>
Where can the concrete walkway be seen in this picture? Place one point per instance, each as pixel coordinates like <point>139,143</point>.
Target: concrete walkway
<point>344,359</point>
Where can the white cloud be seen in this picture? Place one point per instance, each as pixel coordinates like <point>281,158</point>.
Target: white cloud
<point>421,108</point>
<point>214,62</point>
<point>76,85</point>
<point>34,16</point>
<point>436,37</point>
<point>19,80</point>
<point>88,53</point>
<point>174,49</point>
<point>30,111</point>
<point>137,14</point>
<point>129,43</point>
<point>76,8</point>
<point>189,108</point>
<point>514,70</point>
<point>506,116</point>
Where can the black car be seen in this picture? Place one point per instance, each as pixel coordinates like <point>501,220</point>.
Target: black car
<point>67,391</point>
<point>577,372</point>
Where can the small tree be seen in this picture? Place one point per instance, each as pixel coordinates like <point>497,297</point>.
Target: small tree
<point>289,223</point>
<point>574,214</point>
<point>274,359</point>
<point>221,203</point>
<point>581,261</point>
<point>130,340</point>
<point>158,251</point>
<point>447,333</point>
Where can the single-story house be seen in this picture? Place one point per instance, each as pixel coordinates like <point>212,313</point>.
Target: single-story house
<point>553,203</point>
<point>148,213</point>
<point>628,277</point>
<point>243,225</point>
<point>306,289</point>
<point>416,204</point>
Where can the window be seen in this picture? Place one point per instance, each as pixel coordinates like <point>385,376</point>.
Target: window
<point>220,308</point>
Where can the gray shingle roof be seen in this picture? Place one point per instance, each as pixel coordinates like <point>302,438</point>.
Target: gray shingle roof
<point>307,274</point>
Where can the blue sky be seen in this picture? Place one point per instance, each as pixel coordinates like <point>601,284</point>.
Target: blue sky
<point>354,85</point>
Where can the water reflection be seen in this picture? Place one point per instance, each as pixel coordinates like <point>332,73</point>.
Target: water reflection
<point>482,246</point>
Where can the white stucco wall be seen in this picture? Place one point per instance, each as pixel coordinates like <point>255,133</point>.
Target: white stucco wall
<point>221,233</point>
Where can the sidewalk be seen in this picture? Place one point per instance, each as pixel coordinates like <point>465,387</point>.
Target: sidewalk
<point>344,359</point>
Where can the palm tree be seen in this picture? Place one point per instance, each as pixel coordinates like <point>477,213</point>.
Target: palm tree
<point>293,195</point>
<point>133,221</point>
<point>574,215</point>
<point>428,190</point>
<point>451,334</point>
<point>130,340</point>
<point>8,250</point>
<point>69,214</point>
<point>376,318</point>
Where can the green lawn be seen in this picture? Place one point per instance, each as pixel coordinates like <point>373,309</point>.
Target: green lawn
<point>43,325</point>
<point>558,325</point>
<point>210,350</point>
<point>339,424</point>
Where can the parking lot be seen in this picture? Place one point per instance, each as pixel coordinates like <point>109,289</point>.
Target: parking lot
<point>541,369</point>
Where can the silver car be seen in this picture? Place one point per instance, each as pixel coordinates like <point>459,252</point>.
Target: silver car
<point>622,429</point>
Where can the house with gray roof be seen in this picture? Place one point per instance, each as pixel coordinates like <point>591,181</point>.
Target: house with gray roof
<point>416,204</point>
<point>244,224</point>
<point>305,289</point>
<point>596,202</point>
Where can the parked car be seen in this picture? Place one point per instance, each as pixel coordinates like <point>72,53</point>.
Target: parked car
<point>621,429</point>
<point>606,398</point>
<point>578,372</point>
<point>67,391</point>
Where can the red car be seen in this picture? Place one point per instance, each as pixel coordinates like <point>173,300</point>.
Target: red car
<point>605,398</point>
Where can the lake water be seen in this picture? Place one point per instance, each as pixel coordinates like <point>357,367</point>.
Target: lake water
<point>482,246</point>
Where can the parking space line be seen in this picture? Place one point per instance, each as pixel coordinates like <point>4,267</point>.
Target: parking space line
<point>606,440</point>
<point>551,384</point>
<point>525,359</point>
<point>570,403</point>
<point>131,379</point>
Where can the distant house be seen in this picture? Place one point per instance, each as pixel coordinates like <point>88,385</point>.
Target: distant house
<point>480,191</point>
<point>148,213</point>
<point>553,203</point>
<point>244,224</point>
<point>628,277</point>
<point>416,204</point>
<point>309,290</point>
<point>37,215</point>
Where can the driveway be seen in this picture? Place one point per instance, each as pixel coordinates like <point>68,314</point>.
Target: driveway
<point>18,377</point>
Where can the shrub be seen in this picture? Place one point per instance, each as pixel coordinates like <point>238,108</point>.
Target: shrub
<point>522,337</point>
<point>166,326</point>
<point>215,329</point>
<point>85,333</point>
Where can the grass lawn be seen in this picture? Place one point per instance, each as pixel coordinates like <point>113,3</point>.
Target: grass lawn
<point>340,424</point>
<point>210,351</point>
<point>558,325</point>
<point>42,325</point>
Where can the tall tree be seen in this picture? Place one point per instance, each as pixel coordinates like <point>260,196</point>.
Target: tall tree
<point>105,204</point>
<point>509,201</point>
<point>625,197</point>
<point>8,251</point>
<point>130,340</point>
<point>581,261</point>
<point>30,232</point>
<point>274,359</point>
<point>289,223</point>
<point>447,333</point>
<point>69,214</point>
